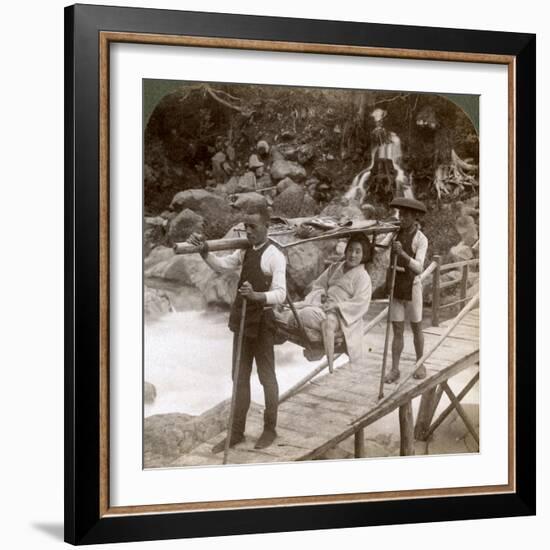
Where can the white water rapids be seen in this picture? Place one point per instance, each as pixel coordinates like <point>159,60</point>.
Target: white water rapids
<point>187,357</point>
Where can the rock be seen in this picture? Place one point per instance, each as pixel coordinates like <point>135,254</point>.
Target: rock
<point>467,229</point>
<point>167,437</point>
<point>294,202</point>
<point>184,224</point>
<point>285,168</point>
<point>157,255</point>
<point>249,202</point>
<point>284,184</point>
<point>191,271</point>
<point>154,232</point>
<point>305,263</point>
<point>311,184</point>
<point>228,187</point>
<point>193,199</point>
<point>306,153</point>
<point>156,303</point>
<point>213,207</point>
<point>461,252</point>
<point>264,181</point>
<point>276,154</point>
<point>149,392</point>
<point>168,215</point>
<point>289,152</point>
<point>247,182</point>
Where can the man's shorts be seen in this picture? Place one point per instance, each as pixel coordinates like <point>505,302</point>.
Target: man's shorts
<point>405,310</point>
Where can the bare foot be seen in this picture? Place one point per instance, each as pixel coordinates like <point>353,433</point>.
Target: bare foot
<point>393,376</point>
<point>420,373</point>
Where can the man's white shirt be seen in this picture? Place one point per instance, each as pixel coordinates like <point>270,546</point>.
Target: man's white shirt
<point>273,264</point>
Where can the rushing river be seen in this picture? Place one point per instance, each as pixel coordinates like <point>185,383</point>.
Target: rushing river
<point>188,360</point>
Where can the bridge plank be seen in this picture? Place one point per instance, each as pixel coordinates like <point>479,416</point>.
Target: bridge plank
<point>326,411</point>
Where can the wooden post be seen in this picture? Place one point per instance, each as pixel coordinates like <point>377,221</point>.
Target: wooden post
<point>451,407</point>
<point>436,291</point>
<point>360,443</point>
<point>464,282</point>
<point>460,411</point>
<point>406,427</point>
<point>428,404</point>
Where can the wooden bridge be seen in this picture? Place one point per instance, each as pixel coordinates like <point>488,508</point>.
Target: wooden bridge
<point>325,409</point>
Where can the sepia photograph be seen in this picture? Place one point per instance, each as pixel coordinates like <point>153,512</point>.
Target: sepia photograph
<point>310,274</point>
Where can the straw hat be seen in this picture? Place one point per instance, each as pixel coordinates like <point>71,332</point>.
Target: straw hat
<point>411,204</point>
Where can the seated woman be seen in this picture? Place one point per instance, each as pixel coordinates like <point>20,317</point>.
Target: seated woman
<point>339,299</point>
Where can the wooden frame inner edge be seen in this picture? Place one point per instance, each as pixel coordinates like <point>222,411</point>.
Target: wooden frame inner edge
<point>105,38</point>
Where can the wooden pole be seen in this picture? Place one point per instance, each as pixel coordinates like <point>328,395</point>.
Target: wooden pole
<point>450,408</point>
<point>436,291</point>
<point>360,443</point>
<point>464,282</point>
<point>406,428</point>
<point>470,305</point>
<point>236,370</point>
<point>215,245</point>
<point>460,410</point>
<point>388,326</point>
<point>428,404</point>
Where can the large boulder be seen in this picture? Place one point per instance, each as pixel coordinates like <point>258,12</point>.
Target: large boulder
<point>305,263</point>
<point>294,202</point>
<point>215,209</point>
<point>154,232</point>
<point>149,392</point>
<point>166,437</point>
<point>284,184</point>
<point>249,202</point>
<point>185,223</point>
<point>156,303</point>
<point>287,169</point>
<point>191,271</point>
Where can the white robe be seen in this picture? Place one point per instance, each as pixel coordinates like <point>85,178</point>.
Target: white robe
<point>350,292</point>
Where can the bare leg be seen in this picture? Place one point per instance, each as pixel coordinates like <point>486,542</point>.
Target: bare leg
<point>328,330</point>
<point>396,350</point>
<point>418,337</point>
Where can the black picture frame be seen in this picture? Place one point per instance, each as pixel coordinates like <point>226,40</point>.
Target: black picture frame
<point>84,521</point>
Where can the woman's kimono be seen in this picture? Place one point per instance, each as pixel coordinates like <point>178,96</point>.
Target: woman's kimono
<point>349,293</point>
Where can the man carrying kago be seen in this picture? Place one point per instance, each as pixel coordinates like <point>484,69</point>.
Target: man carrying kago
<point>263,284</point>
<point>409,246</point>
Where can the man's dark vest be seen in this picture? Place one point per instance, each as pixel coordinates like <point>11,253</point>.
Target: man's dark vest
<point>404,279</point>
<point>251,272</point>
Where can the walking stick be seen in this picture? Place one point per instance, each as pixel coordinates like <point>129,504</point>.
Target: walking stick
<point>236,369</point>
<point>388,322</point>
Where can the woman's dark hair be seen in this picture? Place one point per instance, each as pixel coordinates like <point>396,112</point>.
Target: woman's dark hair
<point>365,245</point>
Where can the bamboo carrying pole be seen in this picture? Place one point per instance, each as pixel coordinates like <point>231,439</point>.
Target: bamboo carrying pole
<point>236,370</point>
<point>213,246</point>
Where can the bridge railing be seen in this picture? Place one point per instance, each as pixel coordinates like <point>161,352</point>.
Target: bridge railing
<point>438,286</point>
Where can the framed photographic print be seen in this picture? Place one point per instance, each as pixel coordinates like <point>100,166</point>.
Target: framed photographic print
<point>298,274</point>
